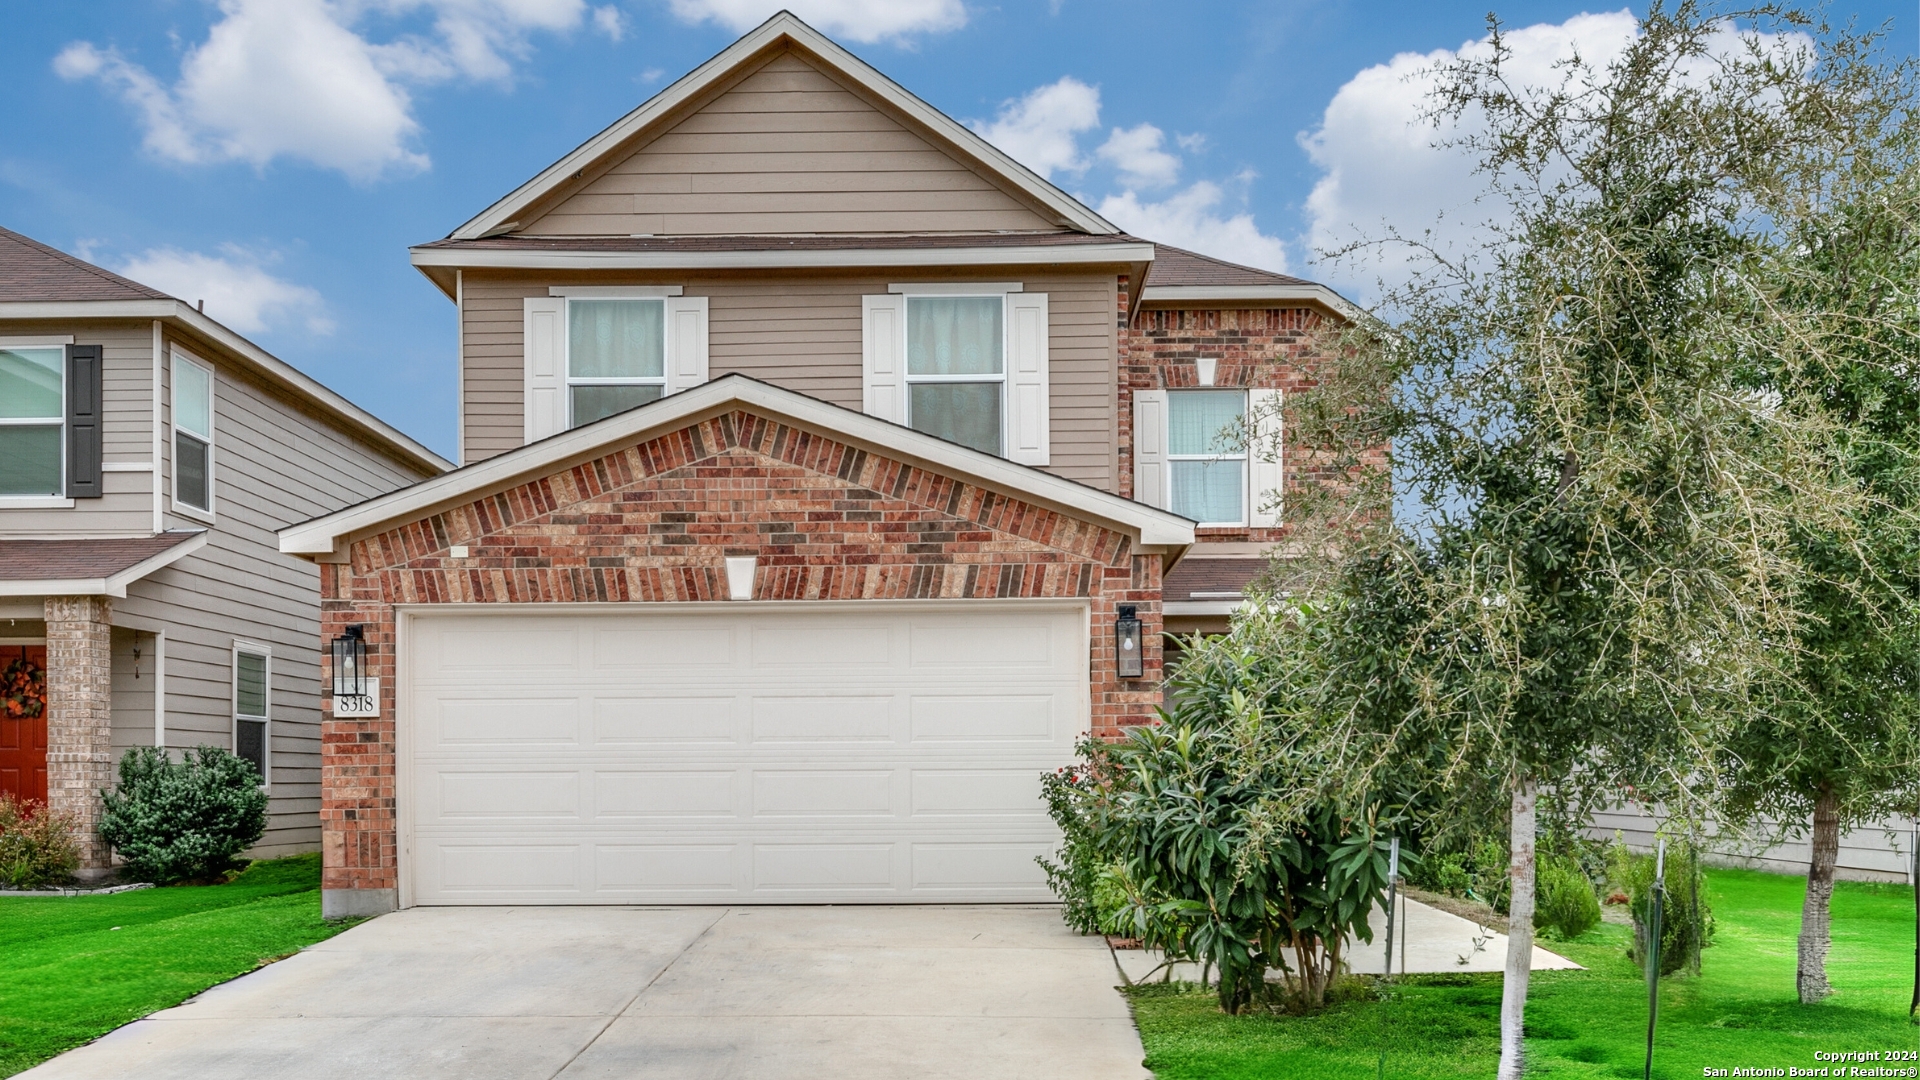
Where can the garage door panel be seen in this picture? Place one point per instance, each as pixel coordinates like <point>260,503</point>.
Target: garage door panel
<point>515,720</point>
<point>770,766</point>
<point>671,649</point>
<point>824,867</point>
<point>986,718</point>
<point>978,867</point>
<point>502,647</point>
<point>702,870</point>
<point>665,794</point>
<point>509,796</point>
<point>622,720</point>
<point>839,718</point>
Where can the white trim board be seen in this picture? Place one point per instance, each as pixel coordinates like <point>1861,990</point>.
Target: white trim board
<point>503,215</point>
<point>1157,529</point>
<point>789,259</point>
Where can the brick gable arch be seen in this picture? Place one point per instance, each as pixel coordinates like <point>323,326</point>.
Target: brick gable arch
<point>653,522</point>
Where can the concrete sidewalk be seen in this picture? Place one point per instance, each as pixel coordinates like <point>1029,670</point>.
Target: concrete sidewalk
<point>833,993</point>
<point>1429,940</point>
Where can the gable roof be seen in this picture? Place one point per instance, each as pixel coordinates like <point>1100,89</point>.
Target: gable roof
<point>782,30</point>
<point>40,282</point>
<point>1179,276</point>
<point>1154,529</point>
<point>30,270</point>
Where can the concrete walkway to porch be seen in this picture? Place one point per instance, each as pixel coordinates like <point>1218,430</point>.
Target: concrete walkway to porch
<point>833,993</point>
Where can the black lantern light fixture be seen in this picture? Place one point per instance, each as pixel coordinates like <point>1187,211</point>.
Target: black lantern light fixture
<point>350,663</point>
<point>1126,643</point>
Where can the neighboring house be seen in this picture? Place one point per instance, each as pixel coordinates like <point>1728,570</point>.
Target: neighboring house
<point>147,456</point>
<point>815,455</point>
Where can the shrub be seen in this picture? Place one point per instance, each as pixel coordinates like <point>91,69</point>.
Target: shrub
<point>186,820</point>
<point>1686,922</point>
<point>37,846</point>
<point>1075,878</point>
<point>1567,906</point>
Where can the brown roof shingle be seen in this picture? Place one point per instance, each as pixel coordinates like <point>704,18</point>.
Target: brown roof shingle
<point>30,271</point>
<point>1210,579</point>
<point>82,559</point>
<point>903,241</point>
<point>1177,266</point>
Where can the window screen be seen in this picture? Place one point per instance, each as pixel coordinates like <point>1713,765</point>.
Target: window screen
<point>616,356</point>
<point>250,703</point>
<point>192,434</point>
<point>1207,456</point>
<point>956,369</point>
<point>32,412</point>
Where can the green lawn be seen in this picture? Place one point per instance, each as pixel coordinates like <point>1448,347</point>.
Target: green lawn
<point>1741,1011</point>
<point>77,967</point>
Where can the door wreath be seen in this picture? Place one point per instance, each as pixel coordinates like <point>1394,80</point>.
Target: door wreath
<point>23,690</point>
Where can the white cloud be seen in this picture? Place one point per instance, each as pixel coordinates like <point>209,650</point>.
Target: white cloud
<point>236,286</point>
<point>609,21</point>
<point>292,78</point>
<point>1381,168</point>
<point>1193,219</point>
<point>854,20</point>
<point>1137,152</point>
<point>1042,130</point>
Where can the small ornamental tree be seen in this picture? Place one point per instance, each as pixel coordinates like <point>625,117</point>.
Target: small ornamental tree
<point>186,820</point>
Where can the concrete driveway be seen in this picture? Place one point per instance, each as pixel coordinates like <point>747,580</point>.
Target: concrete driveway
<point>766,992</point>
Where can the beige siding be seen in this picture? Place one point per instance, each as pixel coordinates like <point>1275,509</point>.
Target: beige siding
<point>803,333</point>
<point>276,461</point>
<point>127,430</point>
<point>788,150</point>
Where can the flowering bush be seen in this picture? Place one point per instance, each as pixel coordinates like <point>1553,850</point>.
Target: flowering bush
<point>36,844</point>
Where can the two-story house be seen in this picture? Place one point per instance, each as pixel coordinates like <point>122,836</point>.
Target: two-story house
<point>825,473</point>
<point>148,454</point>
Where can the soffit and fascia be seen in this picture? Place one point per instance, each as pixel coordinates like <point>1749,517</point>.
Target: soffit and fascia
<point>324,538</point>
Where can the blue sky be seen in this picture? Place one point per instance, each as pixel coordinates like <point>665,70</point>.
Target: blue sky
<point>278,156</point>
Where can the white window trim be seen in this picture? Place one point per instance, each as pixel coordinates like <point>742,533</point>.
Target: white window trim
<point>617,292</point>
<point>568,382</point>
<point>972,291</point>
<point>1242,456</point>
<point>180,355</point>
<point>233,700</point>
<point>956,288</point>
<point>53,501</point>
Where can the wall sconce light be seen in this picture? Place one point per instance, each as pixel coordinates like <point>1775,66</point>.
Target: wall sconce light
<point>350,663</point>
<point>1128,660</point>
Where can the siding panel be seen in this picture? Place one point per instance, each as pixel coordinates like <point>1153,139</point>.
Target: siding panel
<point>788,150</point>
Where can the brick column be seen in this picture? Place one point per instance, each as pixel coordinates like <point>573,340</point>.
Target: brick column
<point>80,715</point>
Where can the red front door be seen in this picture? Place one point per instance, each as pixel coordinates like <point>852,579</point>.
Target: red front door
<point>23,722</point>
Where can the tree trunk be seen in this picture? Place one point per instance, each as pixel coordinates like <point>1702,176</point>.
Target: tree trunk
<point>1513,997</point>
<point>1816,916</point>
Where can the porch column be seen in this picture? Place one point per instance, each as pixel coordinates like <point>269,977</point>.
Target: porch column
<point>80,715</point>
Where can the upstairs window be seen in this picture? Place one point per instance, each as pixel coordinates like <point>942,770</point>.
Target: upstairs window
<point>1207,455</point>
<point>956,369</point>
<point>32,420</point>
<point>192,434</point>
<point>616,357</point>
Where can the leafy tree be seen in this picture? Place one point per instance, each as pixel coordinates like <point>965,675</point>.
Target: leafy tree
<point>1837,742</point>
<point>1588,403</point>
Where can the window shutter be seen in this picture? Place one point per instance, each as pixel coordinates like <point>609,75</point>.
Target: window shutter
<point>1027,406</point>
<point>1264,458</point>
<point>546,345</point>
<point>883,361</point>
<point>1151,476</point>
<point>84,387</point>
<point>686,342</point>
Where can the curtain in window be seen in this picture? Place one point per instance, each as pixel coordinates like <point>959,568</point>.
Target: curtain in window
<point>954,335</point>
<point>1209,491</point>
<point>616,339</point>
<point>1205,421</point>
<point>966,413</point>
<point>592,403</point>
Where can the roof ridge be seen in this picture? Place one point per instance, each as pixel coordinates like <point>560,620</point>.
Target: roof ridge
<point>81,264</point>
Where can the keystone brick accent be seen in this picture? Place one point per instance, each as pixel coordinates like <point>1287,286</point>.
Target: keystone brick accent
<point>654,522</point>
<point>80,715</point>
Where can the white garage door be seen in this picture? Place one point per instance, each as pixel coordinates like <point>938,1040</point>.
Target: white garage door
<point>809,754</point>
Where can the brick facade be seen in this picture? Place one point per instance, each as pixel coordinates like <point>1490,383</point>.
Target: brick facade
<point>653,522</point>
<point>1256,348</point>
<point>80,715</point>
